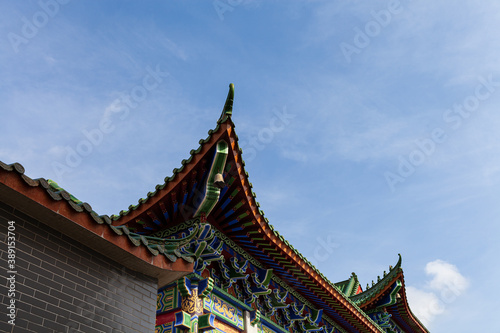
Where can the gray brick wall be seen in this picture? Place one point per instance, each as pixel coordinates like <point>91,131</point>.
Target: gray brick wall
<point>64,286</point>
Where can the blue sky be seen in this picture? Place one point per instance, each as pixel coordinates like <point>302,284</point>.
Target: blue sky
<point>387,141</point>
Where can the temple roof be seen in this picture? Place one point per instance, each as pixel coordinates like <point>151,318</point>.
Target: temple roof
<point>237,214</point>
<point>212,186</point>
<point>371,293</point>
<point>389,293</point>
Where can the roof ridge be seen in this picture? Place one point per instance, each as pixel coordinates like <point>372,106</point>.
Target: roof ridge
<point>300,255</point>
<point>381,283</point>
<point>167,247</point>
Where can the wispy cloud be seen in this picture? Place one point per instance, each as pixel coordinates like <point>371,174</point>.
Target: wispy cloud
<point>445,276</point>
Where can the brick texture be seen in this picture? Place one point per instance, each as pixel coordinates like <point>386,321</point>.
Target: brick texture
<point>64,286</point>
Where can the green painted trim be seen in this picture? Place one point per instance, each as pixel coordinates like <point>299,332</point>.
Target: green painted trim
<point>392,296</point>
<point>228,106</point>
<point>163,234</point>
<point>272,324</point>
<point>208,289</point>
<point>185,322</point>
<point>256,319</point>
<point>212,192</point>
<point>230,298</point>
<point>205,321</point>
<point>184,290</point>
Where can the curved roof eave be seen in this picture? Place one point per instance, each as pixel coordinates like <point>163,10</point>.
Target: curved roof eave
<point>56,208</point>
<point>370,296</point>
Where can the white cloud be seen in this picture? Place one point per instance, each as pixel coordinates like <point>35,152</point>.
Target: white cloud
<point>441,290</point>
<point>445,276</point>
<point>424,305</point>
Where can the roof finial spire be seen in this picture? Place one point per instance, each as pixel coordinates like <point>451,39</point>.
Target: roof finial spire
<point>228,107</point>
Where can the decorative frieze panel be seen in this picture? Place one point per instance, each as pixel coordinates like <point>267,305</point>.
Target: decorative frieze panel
<point>224,310</point>
<point>223,327</point>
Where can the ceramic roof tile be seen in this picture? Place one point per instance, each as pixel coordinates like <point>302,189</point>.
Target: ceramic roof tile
<point>57,193</point>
